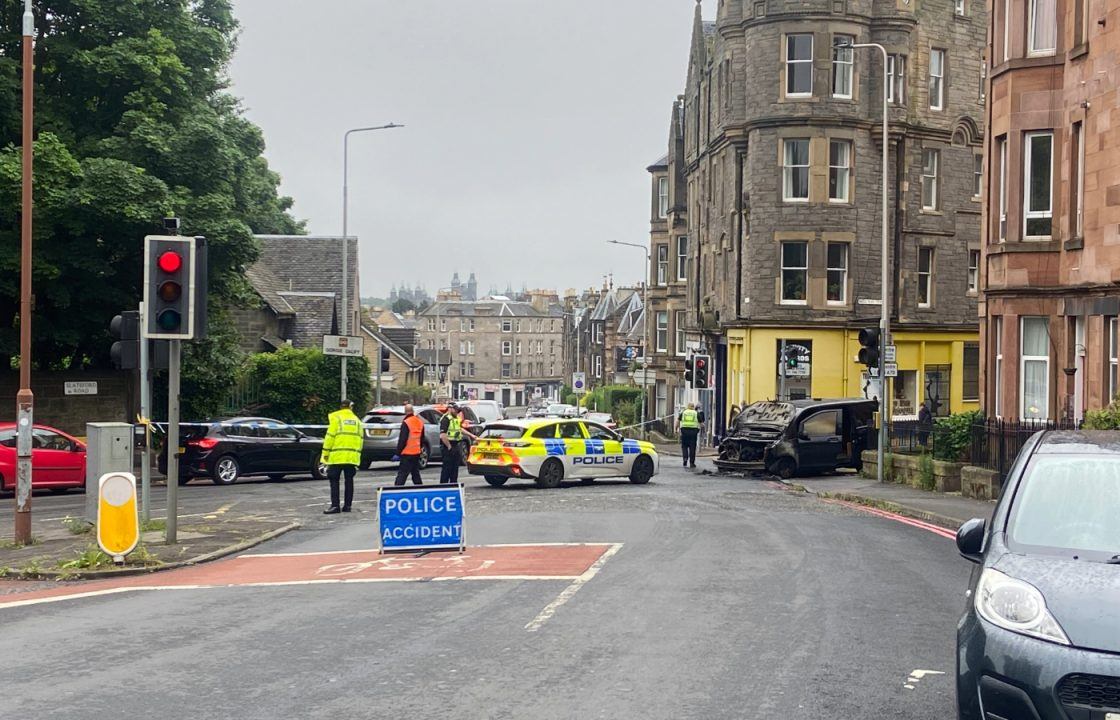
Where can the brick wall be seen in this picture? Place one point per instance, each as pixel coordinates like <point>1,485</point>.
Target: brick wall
<point>70,413</point>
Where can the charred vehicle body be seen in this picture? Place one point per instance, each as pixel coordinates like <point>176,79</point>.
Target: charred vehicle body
<point>786,438</point>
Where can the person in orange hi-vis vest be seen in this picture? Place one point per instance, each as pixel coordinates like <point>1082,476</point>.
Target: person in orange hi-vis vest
<point>410,446</point>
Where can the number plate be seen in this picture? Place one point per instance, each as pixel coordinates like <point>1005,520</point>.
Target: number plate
<point>378,433</point>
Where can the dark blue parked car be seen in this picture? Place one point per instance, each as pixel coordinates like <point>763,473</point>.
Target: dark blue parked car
<point>1040,638</point>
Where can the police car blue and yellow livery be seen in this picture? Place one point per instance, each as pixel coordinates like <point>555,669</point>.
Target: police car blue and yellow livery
<point>551,450</point>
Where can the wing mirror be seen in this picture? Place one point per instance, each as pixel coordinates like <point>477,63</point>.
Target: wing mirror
<point>970,539</point>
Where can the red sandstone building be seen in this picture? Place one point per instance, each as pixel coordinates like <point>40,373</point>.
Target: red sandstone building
<point>1051,262</point>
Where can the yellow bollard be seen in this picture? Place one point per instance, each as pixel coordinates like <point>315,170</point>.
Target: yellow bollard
<point>118,522</point>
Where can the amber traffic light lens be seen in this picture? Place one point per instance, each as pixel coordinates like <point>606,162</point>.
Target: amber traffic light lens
<point>170,291</point>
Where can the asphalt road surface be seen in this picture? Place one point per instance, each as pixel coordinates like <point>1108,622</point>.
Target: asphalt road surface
<point>710,597</point>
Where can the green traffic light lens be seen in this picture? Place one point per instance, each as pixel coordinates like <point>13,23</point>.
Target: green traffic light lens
<point>169,320</point>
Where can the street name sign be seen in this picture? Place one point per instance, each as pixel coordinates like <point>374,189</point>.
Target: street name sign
<point>85,387</point>
<point>420,517</point>
<point>344,345</point>
<point>890,369</point>
<point>645,377</point>
<point>890,353</point>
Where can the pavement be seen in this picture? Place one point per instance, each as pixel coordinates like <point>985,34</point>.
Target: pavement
<point>695,596</point>
<point>948,510</point>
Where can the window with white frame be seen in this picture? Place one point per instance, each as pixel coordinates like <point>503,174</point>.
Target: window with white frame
<point>662,197</point>
<point>470,347</point>
<point>470,369</point>
<point>795,270</point>
<point>997,332</point>
<point>507,326</point>
<point>462,369</point>
<point>1034,369</point>
<point>977,175</point>
<point>507,347</point>
<point>795,169</point>
<point>799,65</point>
<point>470,326</point>
<point>973,270</point>
<point>925,277</point>
<point>936,79</point>
<point>1001,147</point>
<point>839,170</point>
<point>678,324</point>
<point>837,280</point>
<point>682,257</point>
<point>443,324</point>
<point>517,325</point>
<point>662,334</point>
<point>662,264</point>
<point>597,366</point>
<point>462,324</point>
<point>983,78</point>
<point>842,62</point>
<point>931,162</point>
<point>431,324</point>
<point>597,333</point>
<point>1077,157</point>
<point>442,344</point>
<point>1038,185</point>
<point>661,399</point>
<point>540,347</point>
<point>958,7</point>
<point>507,369</point>
<point>1042,33</point>
<point>1113,359</point>
<point>518,347</point>
<point>896,79</point>
<point>462,347</point>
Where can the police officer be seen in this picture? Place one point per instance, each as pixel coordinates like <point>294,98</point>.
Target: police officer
<point>410,446</point>
<point>451,434</point>
<point>688,425</point>
<point>342,453</point>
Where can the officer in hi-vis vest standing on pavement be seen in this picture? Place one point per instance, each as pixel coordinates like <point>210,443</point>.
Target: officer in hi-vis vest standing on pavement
<point>688,425</point>
<point>342,453</point>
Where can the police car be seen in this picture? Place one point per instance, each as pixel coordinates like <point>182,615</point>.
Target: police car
<point>550,450</point>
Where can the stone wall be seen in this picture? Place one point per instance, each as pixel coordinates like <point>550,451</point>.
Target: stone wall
<point>70,413</point>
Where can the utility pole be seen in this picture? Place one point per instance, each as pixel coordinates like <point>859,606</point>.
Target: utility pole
<point>25,399</point>
<point>146,415</point>
<point>782,372</point>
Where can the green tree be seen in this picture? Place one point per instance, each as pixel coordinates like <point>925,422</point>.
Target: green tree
<point>403,306</point>
<point>133,124</point>
<point>300,385</point>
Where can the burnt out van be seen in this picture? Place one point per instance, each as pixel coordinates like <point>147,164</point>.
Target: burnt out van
<point>800,436</point>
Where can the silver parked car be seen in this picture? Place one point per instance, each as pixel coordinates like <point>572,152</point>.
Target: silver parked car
<point>383,429</point>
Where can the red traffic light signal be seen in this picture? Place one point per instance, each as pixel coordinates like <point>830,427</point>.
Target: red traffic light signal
<point>170,261</point>
<point>701,365</point>
<point>171,275</point>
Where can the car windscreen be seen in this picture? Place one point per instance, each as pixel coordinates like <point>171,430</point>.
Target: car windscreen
<point>766,413</point>
<point>558,409</point>
<point>1068,505</point>
<point>502,432</point>
<point>388,418</point>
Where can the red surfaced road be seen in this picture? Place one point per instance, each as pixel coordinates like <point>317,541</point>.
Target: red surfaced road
<point>494,562</point>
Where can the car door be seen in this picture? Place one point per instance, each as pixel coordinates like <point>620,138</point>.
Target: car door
<point>819,439</point>
<point>51,458</point>
<point>608,447</point>
<point>579,463</point>
<point>286,453</point>
<point>244,442</point>
<point>431,420</point>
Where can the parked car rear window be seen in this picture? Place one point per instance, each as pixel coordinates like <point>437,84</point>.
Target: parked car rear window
<point>502,432</point>
<point>1068,503</point>
<point>384,419</point>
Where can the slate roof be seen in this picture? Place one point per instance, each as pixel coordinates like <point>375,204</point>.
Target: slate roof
<point>607,304</point>
<point>385,340</point>
<point>425,357</point>
<point>314,318</point>
<point>630,313</point>
<point>488,308</point>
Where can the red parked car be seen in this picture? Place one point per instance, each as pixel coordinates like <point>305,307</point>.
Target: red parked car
<point>58,461</point>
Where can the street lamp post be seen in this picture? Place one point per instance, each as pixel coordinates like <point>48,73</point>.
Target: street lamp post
<point>25,399</point>
<point>645,325</point>
<point>885,313</point>
<point>345,239</point>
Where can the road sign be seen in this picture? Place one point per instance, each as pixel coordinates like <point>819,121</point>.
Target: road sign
<point>344,345</point>
<point>420,517</point>
<point>645,377</point>
<point>579,383</point>
<point>80,388</point>
<point>890,369</point>
<point>118,522</point>
<point>889,353</point>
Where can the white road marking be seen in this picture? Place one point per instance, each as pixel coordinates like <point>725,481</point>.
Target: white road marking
<point>916,677</point>
<point>567,593</point>
<point>361,550</point>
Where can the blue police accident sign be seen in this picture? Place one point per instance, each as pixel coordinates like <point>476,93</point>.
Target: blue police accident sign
<point>420,517</point>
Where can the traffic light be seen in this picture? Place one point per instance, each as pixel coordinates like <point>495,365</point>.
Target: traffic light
<point>701,365</point>
<point>125,329</point>
<point>169,287</point>
<point>869,347</point>
<point>789,358</point>
<point>688,367</point>
<point>384,359</point>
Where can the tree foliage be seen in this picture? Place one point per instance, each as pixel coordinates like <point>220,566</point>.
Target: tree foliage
<point>301,385</point>
<point>133,124</point>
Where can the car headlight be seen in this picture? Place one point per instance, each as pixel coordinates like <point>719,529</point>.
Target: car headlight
<point>1016,606</point>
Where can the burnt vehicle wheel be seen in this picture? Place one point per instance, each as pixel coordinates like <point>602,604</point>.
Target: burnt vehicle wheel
<point>784,468</point>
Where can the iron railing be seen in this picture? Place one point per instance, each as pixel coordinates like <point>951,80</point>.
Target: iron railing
<point>996,442</point>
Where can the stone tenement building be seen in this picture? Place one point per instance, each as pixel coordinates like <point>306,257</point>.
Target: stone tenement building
<point>1052,228</point>
<point>782,153</point>
<point>498,349</point>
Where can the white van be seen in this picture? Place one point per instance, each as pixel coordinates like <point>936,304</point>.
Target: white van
<point>488,411</point>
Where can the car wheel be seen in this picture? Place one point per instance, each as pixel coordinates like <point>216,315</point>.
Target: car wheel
<point>318,469</point>
<point>423,458</point>
<point>784,468</point>
<point>552,472</point>
<point>226,470</point>
<point>496,480</point>
<point>642,470</point>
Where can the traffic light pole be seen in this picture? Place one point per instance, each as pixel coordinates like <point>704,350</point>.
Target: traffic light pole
<point>782,373</point>
<point>25,399</point>
<point>145,415</point>
<point>172,529</point>
<point>377,400</point>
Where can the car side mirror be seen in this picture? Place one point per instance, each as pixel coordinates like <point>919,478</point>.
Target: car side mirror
<point>970,539</point>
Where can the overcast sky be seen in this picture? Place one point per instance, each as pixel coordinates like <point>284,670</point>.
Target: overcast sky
<point>529,128</point>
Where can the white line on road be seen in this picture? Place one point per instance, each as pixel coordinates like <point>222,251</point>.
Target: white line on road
<point>567,593</point>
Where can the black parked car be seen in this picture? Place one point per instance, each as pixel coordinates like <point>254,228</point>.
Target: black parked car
<point>786,438</point>
<point>228,450</point>
<point>1041,635</point>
